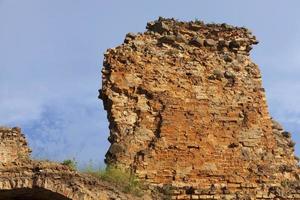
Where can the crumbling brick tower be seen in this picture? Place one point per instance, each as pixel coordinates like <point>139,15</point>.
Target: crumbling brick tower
<point>186,108</point>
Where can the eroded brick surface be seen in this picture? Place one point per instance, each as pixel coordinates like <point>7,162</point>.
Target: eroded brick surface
<point>23,178</point>
<point>187,110</point>
<point>13,145</point>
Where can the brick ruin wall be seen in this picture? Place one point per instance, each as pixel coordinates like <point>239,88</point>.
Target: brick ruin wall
<point>13,145</point>
<point>27,179</point>
<point>187,110</point>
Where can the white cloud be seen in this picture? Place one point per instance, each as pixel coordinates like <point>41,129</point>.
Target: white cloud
<point>283,89</point>
<point>69,129</point>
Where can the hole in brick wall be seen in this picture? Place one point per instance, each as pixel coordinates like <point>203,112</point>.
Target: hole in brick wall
<point>30,194</point>
<point>190,190</point>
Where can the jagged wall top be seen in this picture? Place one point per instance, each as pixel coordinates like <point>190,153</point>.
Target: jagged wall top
<point>200,34</point>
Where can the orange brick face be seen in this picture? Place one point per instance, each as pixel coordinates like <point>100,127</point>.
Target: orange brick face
<point>187,108</point>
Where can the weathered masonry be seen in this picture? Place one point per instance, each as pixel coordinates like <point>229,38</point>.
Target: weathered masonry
<point>187,109</point>
<point>25,179</point>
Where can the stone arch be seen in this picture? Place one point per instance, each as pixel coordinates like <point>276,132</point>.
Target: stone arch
<point>42,180</point>
<point>26,179</point>
<point>30,194</point>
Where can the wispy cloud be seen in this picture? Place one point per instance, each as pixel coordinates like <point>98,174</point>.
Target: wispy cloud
<point>69,130</point>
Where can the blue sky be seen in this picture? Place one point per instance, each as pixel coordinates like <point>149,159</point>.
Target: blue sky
<point>51,55</point>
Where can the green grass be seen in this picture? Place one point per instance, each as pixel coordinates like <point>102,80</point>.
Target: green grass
<point>123,179</point>
<point>72,164</point>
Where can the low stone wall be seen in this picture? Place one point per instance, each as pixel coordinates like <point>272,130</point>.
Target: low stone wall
<point>26,179</point>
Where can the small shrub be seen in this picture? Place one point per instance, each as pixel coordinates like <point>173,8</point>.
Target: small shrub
<point>121,178</point>
<point>198,21</point>
<point>72,164</point>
